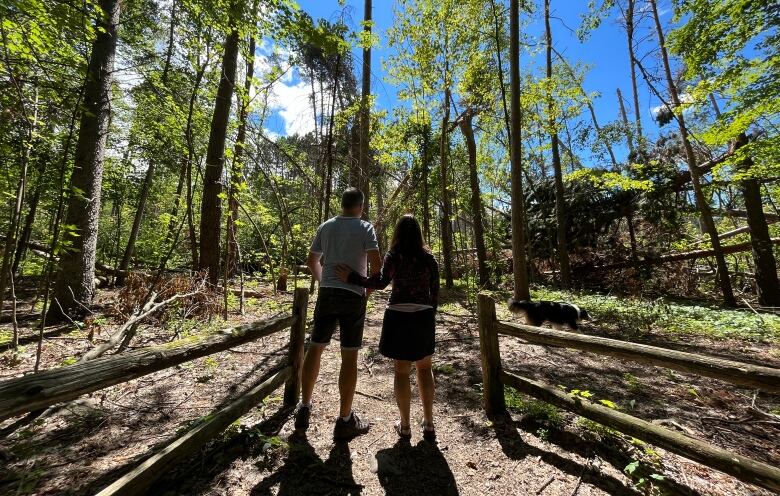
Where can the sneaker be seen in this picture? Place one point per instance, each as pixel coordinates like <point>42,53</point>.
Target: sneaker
<point>302,418</point>
<point>348,429</point>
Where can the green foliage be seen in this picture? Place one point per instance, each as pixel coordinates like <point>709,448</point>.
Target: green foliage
<point>633,316</point>
<point>539,411</point>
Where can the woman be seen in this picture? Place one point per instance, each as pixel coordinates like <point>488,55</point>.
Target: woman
<point>410,317</point>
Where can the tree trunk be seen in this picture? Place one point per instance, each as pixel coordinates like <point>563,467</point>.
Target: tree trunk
<point>629,18</point>
<point>139,214</point>
<point>9,250</point>
<point>365,112</point>
<point>763,254</point>
<point>426,214</point>
<point>702,202</point>
<point>560,200</point>
<point>446,222</point>
<point>28,222</point>
<point>519,263</point>
<point>466,127</point>
<point>237,170</point>
<point>329,141</point>
<point>211,204</point>
<point>624,117</point>
<point>73,288</point>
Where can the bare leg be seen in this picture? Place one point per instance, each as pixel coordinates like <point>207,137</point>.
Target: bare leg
<point>347,380</point>
<point>310,371</point>
<point>403,391</point>
<point>426,385</point>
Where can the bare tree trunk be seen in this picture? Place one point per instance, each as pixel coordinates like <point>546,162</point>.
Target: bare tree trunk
<point>329,140</point>
<point>624,117</point>
<point>629,18</point>
<point>139,214</point>
<point>560,200</point>
<point>466,127</point>
<point>211,204</point>
<point>365,112</point>
<point>185,172</point>
<point>519,262</point>
<point>426,214</point>
<point>446,222</point>
<point>75,277</point>
<point>703,204</point>
<point>28,221</point>
<point>10,247</point>
<point>237,170</point>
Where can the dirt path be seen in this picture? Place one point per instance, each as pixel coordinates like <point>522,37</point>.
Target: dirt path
<point>536,450</point>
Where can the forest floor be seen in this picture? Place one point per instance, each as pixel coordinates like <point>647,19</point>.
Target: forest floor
<point>535,449</point>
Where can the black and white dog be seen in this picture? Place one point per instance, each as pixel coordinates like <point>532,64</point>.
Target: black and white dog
<point>559,315</point>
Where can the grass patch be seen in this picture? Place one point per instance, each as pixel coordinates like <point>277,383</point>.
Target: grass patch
<point>6,337</point>
<point>444,368</point>
<point>537,410</point>
<point>633,316</point>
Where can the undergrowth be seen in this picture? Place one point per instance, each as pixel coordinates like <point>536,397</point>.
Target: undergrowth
<point>636,316</point>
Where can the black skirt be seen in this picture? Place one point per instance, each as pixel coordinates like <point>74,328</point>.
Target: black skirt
<point>408,335</point>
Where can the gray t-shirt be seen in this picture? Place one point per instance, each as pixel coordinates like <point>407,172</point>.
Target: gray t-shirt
<point>344,240</point>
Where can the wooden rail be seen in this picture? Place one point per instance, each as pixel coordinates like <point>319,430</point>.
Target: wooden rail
<point>138,480</point>
<point>494,379</point>
<point>742,374</point>
<point>37,391</point>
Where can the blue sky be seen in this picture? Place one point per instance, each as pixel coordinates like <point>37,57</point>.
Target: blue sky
<point>605,52</point>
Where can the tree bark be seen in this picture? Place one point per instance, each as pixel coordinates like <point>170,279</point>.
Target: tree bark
<point>365,113</point>
<point>73,288</point>
<point>702,202</point>
<point>624,117</point>
<point>519,262</point>
<point>446,211</point>
<point>560,199</point>
<point>237,169</point>
<point>139,214</point>
<point>211,204</point>
<point>629,18</point>
<point>761,243</point>
<point>467,128</point>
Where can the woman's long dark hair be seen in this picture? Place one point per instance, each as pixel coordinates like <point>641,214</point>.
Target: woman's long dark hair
<point>408,238</point>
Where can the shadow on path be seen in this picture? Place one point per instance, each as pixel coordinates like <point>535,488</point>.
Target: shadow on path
<point>514,447</point>
<point>304,472</point>
<point>414,470</point>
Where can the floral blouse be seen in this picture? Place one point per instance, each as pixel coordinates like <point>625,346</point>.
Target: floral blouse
<point>415,278</point>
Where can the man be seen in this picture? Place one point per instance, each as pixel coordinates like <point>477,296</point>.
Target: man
<point>347,240</point>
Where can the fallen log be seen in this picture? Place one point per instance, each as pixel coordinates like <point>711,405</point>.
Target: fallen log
<point>743,468</point>
<point>673,257</point>
<point>742,374</point>
<point>36,391</point>
<point>142,477</point>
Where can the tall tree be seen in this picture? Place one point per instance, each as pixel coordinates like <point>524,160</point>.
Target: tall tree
<point>716,43</point>
<point>519,263</point>
<point>560,198</point>
<point>211,204</point>
<point>364,158</point>
<point>74,286</point>
<point>467,128</point>
<point>703,204</point>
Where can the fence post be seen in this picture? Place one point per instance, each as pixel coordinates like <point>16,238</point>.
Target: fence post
<point>492,389</point>
<point>292,388</point>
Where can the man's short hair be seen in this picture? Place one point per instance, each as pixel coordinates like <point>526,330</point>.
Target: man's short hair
<point>351,198</point>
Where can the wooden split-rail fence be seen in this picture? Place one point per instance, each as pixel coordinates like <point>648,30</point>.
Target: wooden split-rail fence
<point>742,374</point>
<point>36,392</point>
